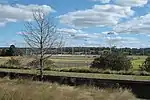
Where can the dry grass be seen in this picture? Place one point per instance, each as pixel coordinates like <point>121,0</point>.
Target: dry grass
<point>27,90</point>
<point>23,60</point>
<point>75,61</point>
<point>4,59</point>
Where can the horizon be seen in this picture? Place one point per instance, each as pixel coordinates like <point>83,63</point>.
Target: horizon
<point>5,47</point>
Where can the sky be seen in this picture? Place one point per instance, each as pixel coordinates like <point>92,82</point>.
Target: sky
<point>82,22</point>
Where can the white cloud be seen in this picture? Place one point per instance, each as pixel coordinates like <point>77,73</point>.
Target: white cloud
<point>2,24</point>
<point>97,16</point>
<point>136,25</point>
<point>79,34</point>
<point>103,1</point>
<point>20,12</point>
<point>84,36</point>
<point>97,39</point>
<point>70,31</point>
<point>131,3</point>
<point>121,40</point>
<point>116,41</point>
<point>92,43</point>
<point>81,38</point>
<point>22,33</point>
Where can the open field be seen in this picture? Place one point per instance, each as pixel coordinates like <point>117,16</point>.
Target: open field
<point>27,90</point>
<point>84,61</point>
<point>60,61</point>
<point>63,62</point>
<point>74,61</point>
<point>137,61</point>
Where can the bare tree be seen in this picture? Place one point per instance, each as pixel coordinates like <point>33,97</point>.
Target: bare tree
<point>42,35</point>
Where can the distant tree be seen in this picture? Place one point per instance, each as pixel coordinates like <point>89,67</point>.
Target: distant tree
<point>3,52</point>
<point>12,50</point>
<point>8,53</point>
<point>146,65</point>
<point>112,61</point>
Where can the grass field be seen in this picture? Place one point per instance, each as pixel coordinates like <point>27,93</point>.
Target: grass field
<point>84,61</point>
<point>60,61</point>
<point>137,61</point>
<point>28,90</point>
<point>75,61</point>
<point>72,61</point>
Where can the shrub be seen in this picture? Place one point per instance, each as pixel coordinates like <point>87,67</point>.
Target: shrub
<point>112,61</point>
<point>3,52</point>
<point>13,62</point>
<point>146,65</point>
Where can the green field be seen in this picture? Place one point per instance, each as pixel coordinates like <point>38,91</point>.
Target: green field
<point>138,61</point>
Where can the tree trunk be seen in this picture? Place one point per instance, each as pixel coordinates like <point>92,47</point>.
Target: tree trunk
<point>41,69</point>
<point>41,59</point>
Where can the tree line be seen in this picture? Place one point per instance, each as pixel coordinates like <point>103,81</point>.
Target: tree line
<point>13,51</point>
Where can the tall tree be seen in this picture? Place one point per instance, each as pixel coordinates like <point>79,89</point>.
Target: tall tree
<point>42,35</point>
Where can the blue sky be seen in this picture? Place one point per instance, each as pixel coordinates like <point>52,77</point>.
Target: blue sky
<point>83,22</point>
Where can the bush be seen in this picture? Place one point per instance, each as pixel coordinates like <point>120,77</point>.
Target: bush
<point>112,61</point>
<point>146,65</point>
<point>13,62</point>
<point>3,52</point>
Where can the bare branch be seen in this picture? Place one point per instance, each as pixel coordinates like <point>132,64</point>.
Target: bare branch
<point>41,35</point>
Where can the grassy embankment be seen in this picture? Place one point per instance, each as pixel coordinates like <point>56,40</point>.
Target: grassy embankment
<point>82,75</point>
<point>28,90</point>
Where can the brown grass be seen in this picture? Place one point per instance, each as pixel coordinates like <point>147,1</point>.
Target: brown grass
<point>59,61</point>
<point>27,90</point>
